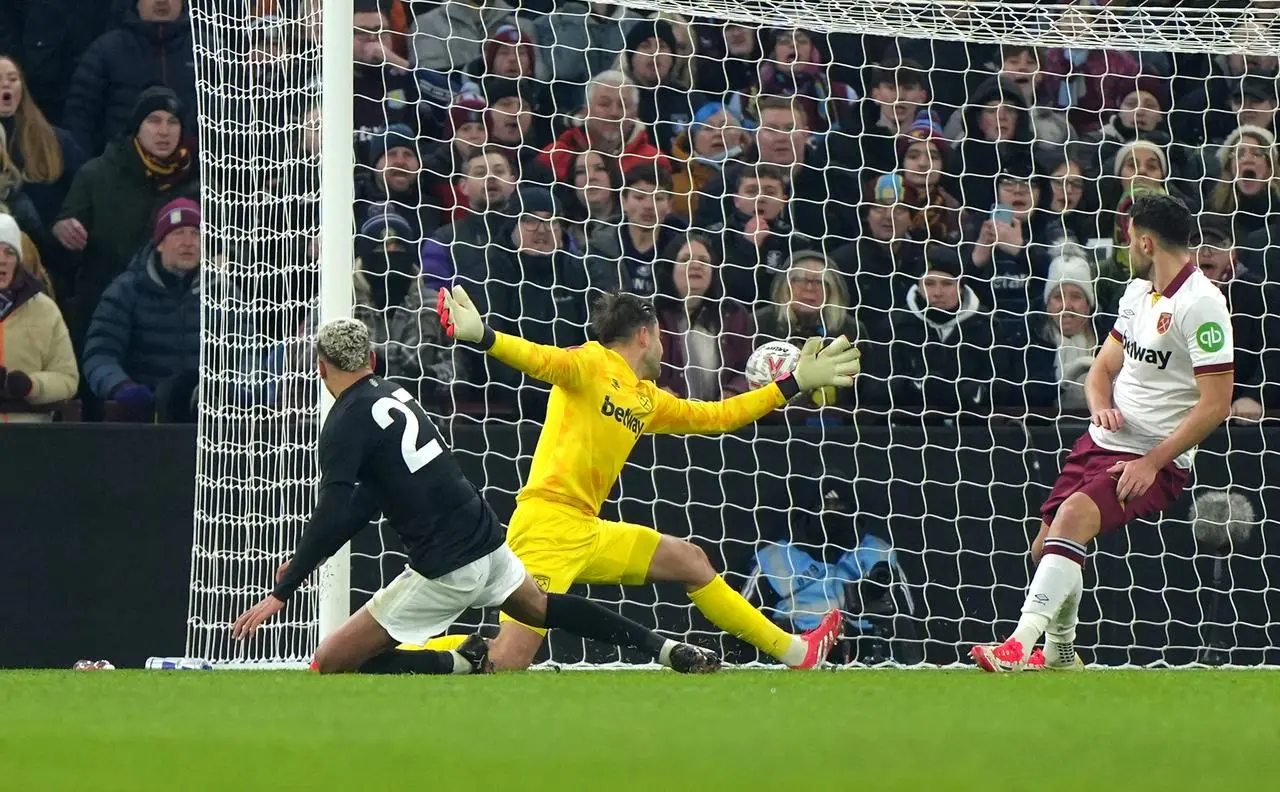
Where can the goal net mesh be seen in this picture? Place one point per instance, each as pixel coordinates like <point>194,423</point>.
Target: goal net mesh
<point>765,171</point>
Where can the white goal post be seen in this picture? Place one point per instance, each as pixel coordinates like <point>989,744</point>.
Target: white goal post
<point>916,525</point>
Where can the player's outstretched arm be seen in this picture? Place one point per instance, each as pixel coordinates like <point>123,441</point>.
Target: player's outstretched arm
<point>834,365</point>
<point>565,368</point>
<point>340,512</point>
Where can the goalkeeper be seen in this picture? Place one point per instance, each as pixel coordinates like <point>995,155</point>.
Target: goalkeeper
<point>603,398</point>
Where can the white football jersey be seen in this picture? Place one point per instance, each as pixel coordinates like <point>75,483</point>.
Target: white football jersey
<point>1169,339</point>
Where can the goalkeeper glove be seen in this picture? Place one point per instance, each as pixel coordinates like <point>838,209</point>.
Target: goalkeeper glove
<point>834,365</point>
<point>458,315</point>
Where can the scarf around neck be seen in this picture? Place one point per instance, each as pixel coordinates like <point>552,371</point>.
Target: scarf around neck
<point>164,174</point>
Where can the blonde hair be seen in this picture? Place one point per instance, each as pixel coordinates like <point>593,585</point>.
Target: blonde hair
<point>345,343</point>
<point>10,175</point>
<point>1223,199</point>
<point>836,311</point>
<point>41,152</point>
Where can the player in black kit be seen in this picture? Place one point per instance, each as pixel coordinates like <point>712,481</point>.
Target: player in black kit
<point>380,452</point>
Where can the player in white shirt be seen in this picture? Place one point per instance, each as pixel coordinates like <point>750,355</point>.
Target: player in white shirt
<point>1160,384</point>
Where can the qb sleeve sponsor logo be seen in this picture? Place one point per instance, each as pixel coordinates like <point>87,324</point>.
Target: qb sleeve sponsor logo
<point>1210,337</point>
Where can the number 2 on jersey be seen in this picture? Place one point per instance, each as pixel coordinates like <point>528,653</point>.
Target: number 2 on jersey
<point>415,457</point>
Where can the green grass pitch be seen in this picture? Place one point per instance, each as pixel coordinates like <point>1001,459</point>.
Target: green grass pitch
<point>739,730</point>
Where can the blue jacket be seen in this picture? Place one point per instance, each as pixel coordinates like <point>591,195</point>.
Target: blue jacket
<point>146,328</point>
<point>118,66</point>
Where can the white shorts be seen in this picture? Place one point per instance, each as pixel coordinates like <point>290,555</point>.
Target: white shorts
<point>413,608</point>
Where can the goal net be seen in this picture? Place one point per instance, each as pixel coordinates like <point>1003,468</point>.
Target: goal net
<point>947,182</point>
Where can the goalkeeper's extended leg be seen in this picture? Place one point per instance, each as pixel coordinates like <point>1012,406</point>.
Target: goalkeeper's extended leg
<point>684,562</point>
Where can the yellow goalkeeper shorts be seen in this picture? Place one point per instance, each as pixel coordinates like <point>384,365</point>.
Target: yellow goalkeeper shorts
<point>560,546</point>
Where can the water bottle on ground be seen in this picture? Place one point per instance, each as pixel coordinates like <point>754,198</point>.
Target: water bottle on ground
<point>178,664</point>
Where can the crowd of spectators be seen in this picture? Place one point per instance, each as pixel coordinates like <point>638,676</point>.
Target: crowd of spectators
<point>958,209</point>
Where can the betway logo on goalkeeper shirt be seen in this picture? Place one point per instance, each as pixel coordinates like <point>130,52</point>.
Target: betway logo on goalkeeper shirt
<point>1156,357</point>
<point>622,415</point>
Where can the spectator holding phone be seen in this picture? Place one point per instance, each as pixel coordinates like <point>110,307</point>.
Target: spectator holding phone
<point>37,364</point>
<point>1001,263</point>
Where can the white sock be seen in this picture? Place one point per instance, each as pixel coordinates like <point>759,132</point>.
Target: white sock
<point>1058,574</point>
<point>795,653</point>
<point>664,654</point>
<point>1060,634</point>
<point>460,663</point>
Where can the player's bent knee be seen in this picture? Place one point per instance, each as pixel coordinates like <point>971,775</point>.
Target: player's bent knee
<point>1078,518</point>
<point>695,565</point>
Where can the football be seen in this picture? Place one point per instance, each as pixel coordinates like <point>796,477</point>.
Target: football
<point>771,361</point>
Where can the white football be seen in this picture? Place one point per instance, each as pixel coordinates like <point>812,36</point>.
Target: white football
<point>771,361</point>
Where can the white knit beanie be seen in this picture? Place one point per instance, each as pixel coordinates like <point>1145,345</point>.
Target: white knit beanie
<point>1133,146</point>
<point>11,235</point>
<point>1227,151</point>
<point>1074,270</point>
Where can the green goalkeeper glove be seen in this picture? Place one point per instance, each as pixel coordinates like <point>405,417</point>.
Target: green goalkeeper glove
<point>459,316</point>
<point>834,365</point>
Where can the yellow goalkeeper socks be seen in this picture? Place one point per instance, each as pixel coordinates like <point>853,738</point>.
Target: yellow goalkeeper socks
<point>444,643</point>
<point>726,609</point>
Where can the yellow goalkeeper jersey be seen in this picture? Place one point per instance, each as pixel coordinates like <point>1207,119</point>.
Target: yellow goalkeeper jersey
<point>598,410</point>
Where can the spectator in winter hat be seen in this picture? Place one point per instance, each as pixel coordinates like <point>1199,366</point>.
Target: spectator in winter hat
<point>509,52</point>
<point>46,156</point>
<point>512,123</point>
<point>607,125</point>
<point>922,161</point>
<point>525,282</point>
<point>1246,190</point>
<point>151,45</point>
<point>1047,356</point>
<point>996,135</point>
<point>397,178</point>
<point>879,265</point>
<point>649,62</point>
<point>1255,103</point>
<point>109,210</point>
<point>1140,166</point>
<point>146,330</point>
<point>442,165</point>
<point>37,364</point>
<point>935,357</point>
<point>1255,316</point>
<point>700,152</point>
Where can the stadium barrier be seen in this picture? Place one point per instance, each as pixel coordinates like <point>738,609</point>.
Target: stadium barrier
<point>100,568</point>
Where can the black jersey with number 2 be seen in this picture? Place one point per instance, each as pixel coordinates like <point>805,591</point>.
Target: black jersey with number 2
<point>380,452</point>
